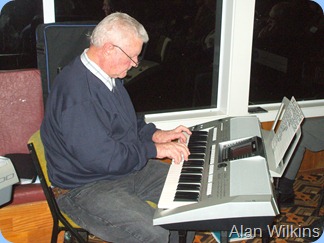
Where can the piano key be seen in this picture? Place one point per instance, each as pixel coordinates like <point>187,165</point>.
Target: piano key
<point>190,178</point>
<point>193,163</point>
<point>197,144</point>
<point>191,170</point>
<point>186,196</point>
<point>194,140</point>
<point>183,183</point>
<point>195,150</point>
<point>188,187</point>
<point>199,134</point>
<point>196,156</point>
<point>195,136</point>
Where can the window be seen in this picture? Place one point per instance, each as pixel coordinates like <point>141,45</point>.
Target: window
<point>288,50</point>
<point>189,86</point>
<point>238,18</point>
<point>186,76</point>
<point>16,24</point>
<point>181,66</point>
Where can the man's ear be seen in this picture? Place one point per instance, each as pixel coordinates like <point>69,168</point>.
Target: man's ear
<point>107,48</point>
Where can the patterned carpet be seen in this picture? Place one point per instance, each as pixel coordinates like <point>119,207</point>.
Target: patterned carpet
<point>294,221</point>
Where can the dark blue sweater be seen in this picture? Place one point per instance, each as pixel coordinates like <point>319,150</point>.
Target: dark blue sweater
<point>91,133</point>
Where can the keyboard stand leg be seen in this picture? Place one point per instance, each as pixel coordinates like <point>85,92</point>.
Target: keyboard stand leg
<point>265,236</point>
<point>182,236</point>
<point>224,236</point>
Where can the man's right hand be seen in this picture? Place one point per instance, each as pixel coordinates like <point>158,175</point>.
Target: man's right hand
<point>178,152</point>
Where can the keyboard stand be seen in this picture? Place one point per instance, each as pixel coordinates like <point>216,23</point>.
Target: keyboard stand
<point>182,236</point>
<point>224,236</point>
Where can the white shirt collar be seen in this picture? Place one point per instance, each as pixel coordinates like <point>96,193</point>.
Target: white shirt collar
<point>97,71</point>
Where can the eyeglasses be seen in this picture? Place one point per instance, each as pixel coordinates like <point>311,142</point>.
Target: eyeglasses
<point>136,63</point>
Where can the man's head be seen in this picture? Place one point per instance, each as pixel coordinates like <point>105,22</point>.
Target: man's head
<point>116,43</point>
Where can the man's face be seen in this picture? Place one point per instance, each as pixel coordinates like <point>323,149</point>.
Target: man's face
<point>122,57</point>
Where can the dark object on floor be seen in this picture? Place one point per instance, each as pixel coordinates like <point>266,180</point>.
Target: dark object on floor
<point>286,199</point>
<point>286,186</point>
<point>285,192</point>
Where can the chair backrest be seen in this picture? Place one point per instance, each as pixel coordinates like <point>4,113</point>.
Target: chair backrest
<point>36,149</point>
<point>37,152</point>
<point>61,220</point>
<point>21,109</point>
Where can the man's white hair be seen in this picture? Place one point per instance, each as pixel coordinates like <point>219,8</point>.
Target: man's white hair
<point>115,27</point>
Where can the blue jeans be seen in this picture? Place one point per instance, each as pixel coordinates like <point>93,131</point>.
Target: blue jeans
<point>116,211</point>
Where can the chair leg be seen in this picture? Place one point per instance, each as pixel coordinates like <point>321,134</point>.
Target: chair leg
<point>67,237</point>
<point>55,232</point>
<point>78,236</point>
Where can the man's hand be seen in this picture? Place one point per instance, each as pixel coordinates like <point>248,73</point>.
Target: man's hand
<point>172,144</point>
<point>173,150</point>
<point>161,136</point>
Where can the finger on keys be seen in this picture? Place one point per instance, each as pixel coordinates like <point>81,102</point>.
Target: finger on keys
<point>184,138</point>
<point>177,161</point>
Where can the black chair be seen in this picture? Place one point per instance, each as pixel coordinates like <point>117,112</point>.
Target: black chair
<point>61,222</point>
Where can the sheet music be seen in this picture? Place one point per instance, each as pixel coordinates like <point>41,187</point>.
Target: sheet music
<point>291,120</point>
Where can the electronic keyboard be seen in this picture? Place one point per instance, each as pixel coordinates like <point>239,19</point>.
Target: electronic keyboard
<point>225,181</point>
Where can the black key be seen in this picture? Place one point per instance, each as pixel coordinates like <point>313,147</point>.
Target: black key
<point>191,187</point>
<point>199,133</point>
<point>189,178</point>
<point>197,143</point>
<point>196,156</point>
<point>195,150</point>
<point>197,138</point>
<point>191,170</point>
<point>186,196</point>
<point>193,163</point>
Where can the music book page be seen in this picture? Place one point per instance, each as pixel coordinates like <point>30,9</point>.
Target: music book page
<point>290,123</point>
